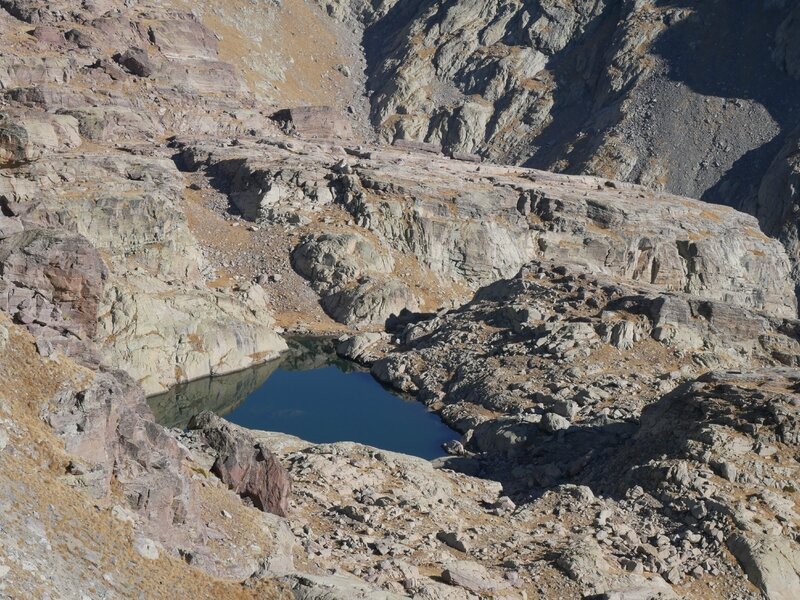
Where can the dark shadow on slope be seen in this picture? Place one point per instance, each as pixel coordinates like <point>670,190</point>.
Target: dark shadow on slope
<point>385,37</point>
<point>738,187</point>
<point>738,64</point>
<point>578,70</point>
<point>220,175</point>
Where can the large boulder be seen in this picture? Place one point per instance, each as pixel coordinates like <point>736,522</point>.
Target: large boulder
<point>245,465</point>
<point>353,276</point>
<point>371,302</point>
<point>136,61</point>
<point>330,260</point>
<point>109,429</point>
<point>772,563</point>
<point>473,577</point>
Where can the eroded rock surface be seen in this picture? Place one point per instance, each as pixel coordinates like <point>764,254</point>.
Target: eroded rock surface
<point>245,465</point>
<point>110,429</point>
<point>670,102</point>
<point>507,217</point>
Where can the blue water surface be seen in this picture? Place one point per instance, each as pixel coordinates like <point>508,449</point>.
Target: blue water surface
<point>313,394</point>
<point>329,405</point>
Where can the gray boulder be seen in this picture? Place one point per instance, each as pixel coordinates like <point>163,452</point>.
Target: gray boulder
<point>473,577</point>
<point>772,563</point>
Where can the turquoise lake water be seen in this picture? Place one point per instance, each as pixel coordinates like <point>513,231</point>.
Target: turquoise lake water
<point>315,396</point>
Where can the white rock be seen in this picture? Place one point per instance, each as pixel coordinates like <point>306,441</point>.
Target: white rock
<point>146,547</point>
<point>123,514</point>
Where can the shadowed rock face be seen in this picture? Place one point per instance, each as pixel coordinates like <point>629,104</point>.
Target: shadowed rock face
<point>778,203</point>
<point>245,465</point>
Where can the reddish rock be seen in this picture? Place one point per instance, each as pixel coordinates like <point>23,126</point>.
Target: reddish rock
<point>182,38</point>
<point>111,69</point>
<point>314,122</point>
<point>250,470</point>
<point>63,269</point>
<point>49,36</point>
<point>136,61</point>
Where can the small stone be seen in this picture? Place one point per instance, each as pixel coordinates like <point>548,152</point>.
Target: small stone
<point>673,576</point>
<point>122,514</point>
<point>603,516</point>
<point>146,548</point>
<point>453,539</point>
<point>726,470</point>
<point>551,423</point>
<point>699,510</point>
<point>693,538</point>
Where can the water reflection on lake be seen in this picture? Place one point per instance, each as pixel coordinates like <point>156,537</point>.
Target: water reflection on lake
<point>313,394</point>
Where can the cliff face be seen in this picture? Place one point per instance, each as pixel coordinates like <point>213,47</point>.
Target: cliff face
<point>693,98</point>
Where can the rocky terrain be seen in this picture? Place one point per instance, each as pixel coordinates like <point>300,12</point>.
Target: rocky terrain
<point>695,99</point>
<point>616,344</point>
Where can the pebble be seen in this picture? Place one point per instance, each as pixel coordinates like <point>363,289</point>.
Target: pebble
<point>123,514</point>
<point>146,548</point>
